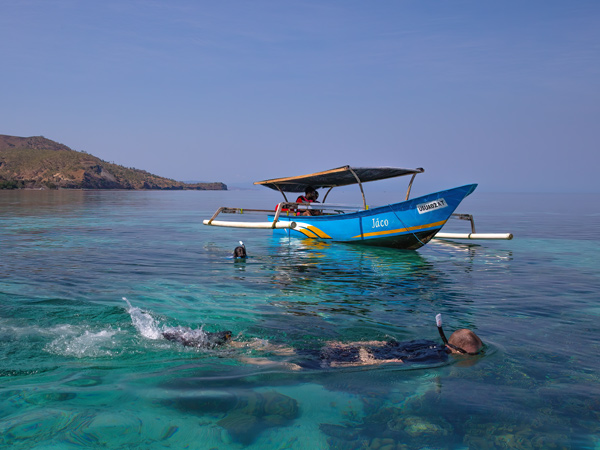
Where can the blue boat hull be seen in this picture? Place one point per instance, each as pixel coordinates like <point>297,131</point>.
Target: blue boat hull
<point>406,225</point>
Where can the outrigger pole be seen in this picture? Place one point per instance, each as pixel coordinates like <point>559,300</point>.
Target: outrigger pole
<point>473,234</point>
<point>506,236</point>
<point>265,225</point>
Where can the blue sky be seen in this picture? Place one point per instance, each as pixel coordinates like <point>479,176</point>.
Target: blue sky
<point>504,93</point>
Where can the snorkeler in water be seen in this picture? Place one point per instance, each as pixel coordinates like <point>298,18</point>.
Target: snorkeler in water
<point>240,251</point>
<point>463,341</point>
<point>338,354</point>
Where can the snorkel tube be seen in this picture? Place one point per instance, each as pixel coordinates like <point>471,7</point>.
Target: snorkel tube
<point>438,321</point>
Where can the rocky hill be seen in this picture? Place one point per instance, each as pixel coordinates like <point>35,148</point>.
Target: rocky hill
<point>39,163</point>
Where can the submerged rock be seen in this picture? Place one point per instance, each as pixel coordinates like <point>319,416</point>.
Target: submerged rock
<point>257,412</point>
<point>519,437</point>
<point>339,431</point>
<point>244,416</point>
<point>241,426</point>
<point>416,426</point>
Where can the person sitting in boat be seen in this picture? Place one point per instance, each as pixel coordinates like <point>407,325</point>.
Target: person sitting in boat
<point>310,196</point>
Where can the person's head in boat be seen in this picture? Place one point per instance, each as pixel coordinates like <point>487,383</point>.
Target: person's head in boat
<point>310,195</point>
<point>464,341</point>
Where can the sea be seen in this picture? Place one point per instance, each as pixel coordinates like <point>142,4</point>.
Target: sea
<point>89,280</point>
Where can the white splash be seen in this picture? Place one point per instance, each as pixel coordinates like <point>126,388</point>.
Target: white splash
<point>88,344</point>
<point>143,322</point>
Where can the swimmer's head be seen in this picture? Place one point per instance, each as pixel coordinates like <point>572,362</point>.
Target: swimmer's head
<point>465,341</point>
<point>240,252</point>
<point>218,338</point>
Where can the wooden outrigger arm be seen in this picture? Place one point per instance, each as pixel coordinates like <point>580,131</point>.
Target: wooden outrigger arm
<point>473,234</point>
<point>263,225</point>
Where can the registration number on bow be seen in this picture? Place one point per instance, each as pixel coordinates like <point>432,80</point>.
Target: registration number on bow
<point>430,206</point>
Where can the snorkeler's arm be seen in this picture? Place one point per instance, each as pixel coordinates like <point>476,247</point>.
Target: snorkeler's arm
<point>365,358</point>
<point>338,344</point>
<point>269,362</point>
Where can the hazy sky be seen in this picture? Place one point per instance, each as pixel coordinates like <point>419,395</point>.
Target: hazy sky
<point>503,93</point>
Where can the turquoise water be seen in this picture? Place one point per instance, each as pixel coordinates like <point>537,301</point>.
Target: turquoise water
<point>80,368</point>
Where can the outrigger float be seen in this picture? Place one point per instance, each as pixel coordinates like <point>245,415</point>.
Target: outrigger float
<point>408,224</point>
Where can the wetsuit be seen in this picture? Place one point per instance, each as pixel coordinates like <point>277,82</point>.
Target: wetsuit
<point>418,351</point>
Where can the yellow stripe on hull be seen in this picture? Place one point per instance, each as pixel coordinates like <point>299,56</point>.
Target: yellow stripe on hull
<point>306,232</point>
<point>400,230</point>
<point>318,232</point>
<point>311,231</point>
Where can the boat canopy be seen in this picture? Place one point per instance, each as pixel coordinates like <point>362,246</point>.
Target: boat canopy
<point>342,176</point>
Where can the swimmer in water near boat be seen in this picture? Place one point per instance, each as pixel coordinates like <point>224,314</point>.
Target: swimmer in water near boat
<point>363,353</point>
<point>334,354</point>
<point>240,251</point>
<point>337,354</point>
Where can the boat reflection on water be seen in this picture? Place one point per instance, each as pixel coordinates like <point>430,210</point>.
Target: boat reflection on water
<point>332,288</point>
<point>359,284</point>
<point>471,251</point>
<point>345,269</point>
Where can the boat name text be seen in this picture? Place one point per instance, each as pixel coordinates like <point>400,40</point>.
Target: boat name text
<point>430,206</point>
<point>377,223</point>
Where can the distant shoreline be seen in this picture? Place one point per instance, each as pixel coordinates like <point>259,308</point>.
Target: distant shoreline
<point>37,163</point>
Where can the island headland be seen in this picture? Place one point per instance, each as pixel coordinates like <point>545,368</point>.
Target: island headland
<point>39,163</point>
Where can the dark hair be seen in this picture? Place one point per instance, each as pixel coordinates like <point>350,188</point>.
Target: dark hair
<point>311,190</point>
<point>239,252</point>
<point>218,338</point>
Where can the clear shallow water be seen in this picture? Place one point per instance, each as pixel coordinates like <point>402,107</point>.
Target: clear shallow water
<point>81,368</point>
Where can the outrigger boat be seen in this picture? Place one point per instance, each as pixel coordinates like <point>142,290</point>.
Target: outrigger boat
<point>408,224</point>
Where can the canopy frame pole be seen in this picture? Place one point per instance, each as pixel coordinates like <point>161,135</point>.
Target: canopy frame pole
<point>325,198</point>
<point>359,185</point>
<point>282,193</point>
<point>410,185</point>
